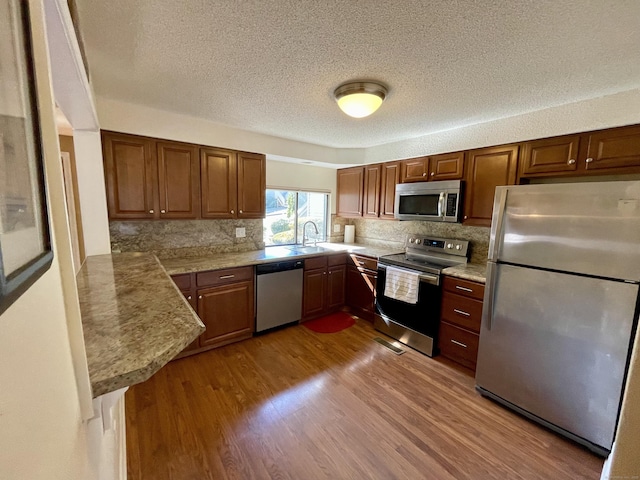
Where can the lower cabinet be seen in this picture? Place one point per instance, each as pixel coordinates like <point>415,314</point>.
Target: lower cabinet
<point>324,284</point>
<point>224,301</point>
<point>362,274</point>
<point>461,313</point>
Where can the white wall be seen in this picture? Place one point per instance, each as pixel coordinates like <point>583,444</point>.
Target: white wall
<point>291,175</point>
<point>42,434</point>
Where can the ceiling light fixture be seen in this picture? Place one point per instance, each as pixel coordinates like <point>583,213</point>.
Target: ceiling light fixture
<point>360,99</point>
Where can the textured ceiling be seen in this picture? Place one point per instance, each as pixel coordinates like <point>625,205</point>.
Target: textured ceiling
<point>271,66</point>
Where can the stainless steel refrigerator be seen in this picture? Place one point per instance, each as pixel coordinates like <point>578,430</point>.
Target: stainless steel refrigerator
<point>561,304</point>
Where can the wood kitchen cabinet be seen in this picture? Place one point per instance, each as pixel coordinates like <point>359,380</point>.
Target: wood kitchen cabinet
<point>233,184</point>
<point>324,285</point>
<point>362,275</point>
<point>350,186</point>
<point>224,301</point>
<point>448,166</point>
<point>605,152</point>
<point>486,169</point>
<point>414,170</point>
<point>371,191</point>
<point>390,177</point>
<point>147,179</point>
<point>460,317</point>
<point>226,305</point>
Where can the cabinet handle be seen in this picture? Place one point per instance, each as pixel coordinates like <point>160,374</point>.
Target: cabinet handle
<point>464,289</point>
<point>163,211</point>
<point>458,343</point>
<point>232,211</point>
<point>433,174</point>
<point>589,160</point>
<point>189,297</point>
<point>465,217</point>
<point>150,211</point>
<point>200,297</point>
<point>424,174</point>
<point>222,277</point>
<point>239,211</point>
<point>460,312</point>
<point>571,161</point>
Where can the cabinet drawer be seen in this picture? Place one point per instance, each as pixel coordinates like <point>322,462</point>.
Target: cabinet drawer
<point>464,287</point>
<point>339,259</point>
<point>364,262</point>
<point>315,262</point>
<point>462,311</point>
<point>228,275</point>
<point>459,345</point>
<point>183,281</point>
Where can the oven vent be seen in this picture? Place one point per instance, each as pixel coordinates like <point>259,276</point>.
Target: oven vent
<point>393,348</point>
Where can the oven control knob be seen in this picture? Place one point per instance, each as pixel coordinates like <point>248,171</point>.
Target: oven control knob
<point>418,241</point>
<point>458,247</point>
<point>449,245</point>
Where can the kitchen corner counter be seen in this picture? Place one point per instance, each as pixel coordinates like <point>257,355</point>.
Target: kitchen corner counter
<point>134,319</point>
<point>179,265</point>
<point>470,271</point>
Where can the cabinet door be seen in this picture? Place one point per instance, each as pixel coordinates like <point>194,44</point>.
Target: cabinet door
<point>335,286</point>
<point>360,291</point>
<point>550,155</point>
<point>617,150</point>
<point>414,170</point>
<point>218,181</point>
<point>390,178</point>
<point>448,166</point>
<point>314,292</point>
<point>178,180</point>
<point>486,169</point>
<point>252,185</point>
<point>371,206</point>
<point>227,312</point>
<point>130,175</point>
<point>350,192</point>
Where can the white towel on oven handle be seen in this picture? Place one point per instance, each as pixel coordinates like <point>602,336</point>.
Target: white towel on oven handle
<point>402,285</point>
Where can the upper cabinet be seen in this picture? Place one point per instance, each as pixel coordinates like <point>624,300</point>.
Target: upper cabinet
<point>414,170</point>
<point>389,179</point>
<point>606,152</point>
<point>486,169</point>
<point>252,184</point>
<point>131,176</point>
<point>148,178</point>
<point>371,193</point>
<point>448,166</point>
<point>350,192</point>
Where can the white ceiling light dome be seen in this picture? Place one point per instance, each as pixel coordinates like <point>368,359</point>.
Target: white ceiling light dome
<point>360,99</point>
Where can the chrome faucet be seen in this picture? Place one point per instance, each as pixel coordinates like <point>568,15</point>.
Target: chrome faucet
<point>304,234</point>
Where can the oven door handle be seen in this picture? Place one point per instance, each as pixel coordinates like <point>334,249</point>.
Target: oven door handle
<point>424,277</point>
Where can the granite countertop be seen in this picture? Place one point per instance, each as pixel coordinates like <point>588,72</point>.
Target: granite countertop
<point>178,265</point>
<point>134,319</point>
<point>470,271</point>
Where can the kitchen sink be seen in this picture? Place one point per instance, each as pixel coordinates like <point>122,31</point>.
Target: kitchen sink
<point>300,250</point>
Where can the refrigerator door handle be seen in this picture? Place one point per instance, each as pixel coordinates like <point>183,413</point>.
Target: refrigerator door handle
<point>487,306</point>
<point>499,206</point>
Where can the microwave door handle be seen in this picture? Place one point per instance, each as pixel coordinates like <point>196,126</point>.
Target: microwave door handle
<point>441,204</point>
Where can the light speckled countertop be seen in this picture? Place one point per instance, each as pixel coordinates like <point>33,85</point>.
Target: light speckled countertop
<point>134,319</point>
<point>179,265</point>
<point>470,271</point>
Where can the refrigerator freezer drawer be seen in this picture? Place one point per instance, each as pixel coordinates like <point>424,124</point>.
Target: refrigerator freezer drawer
<point>556,345</point>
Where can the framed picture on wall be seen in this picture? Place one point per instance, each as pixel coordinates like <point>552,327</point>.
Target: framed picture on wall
<point>25,245</point>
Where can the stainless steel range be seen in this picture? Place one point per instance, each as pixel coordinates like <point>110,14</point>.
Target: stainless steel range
<point>408,290</point>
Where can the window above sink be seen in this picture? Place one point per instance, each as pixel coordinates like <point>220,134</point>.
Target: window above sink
<point>286,213</point>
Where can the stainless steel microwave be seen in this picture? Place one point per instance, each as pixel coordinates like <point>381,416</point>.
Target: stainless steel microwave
<point>434,201</point>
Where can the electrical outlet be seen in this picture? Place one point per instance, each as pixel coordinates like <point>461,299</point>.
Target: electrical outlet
<point>241,232</point>
<point>336,228</point>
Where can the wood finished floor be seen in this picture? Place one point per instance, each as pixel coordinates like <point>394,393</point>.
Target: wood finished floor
<point>295,404</point>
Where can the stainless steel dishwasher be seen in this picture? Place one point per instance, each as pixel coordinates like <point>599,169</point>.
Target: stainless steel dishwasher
<point>279,294</point>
